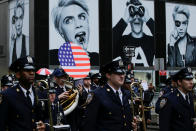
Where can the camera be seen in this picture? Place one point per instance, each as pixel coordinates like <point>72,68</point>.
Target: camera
<point>133,10</point>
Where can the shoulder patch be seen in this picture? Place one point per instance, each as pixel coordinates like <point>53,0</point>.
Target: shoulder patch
<point>89,98</point>
<point>1,98</point>
<point>163,102</point>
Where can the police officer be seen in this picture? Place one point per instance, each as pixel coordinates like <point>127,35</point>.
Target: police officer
<point>177,111</point>
<point>95,78</point>
<point>108,107</point>
<point>62,92</point>
<point>19,108</point>
<point>6,82</point>
<point>170,86</point>
<point>56,109</point>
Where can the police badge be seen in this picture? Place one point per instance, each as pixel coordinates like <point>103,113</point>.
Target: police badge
<point>89,98</point>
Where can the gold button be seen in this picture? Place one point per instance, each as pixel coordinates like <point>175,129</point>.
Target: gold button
<point>110,113</point>
<point>34,130</point>
<point>123,116</point>
<point>125,124</point>
<point>17,116</point>
<point>32,120</point>
<point>32,111</point>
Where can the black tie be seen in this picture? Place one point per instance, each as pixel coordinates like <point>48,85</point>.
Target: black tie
<point>187,99</point>
<point>28,98</point>
<point>118,97</point>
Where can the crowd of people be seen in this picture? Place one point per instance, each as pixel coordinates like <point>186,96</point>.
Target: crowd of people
<point>112,100</point>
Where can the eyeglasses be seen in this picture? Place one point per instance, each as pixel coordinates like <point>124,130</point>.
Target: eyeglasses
<point>133,10</point>
<point>178,23</point>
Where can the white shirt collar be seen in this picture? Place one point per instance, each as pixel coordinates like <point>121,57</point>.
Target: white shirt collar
<point>119,90</point>
<point>25,91</point>
<point>183,94</point>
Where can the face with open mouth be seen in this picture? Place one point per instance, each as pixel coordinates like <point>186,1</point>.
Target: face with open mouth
<point>137,24</point>
<point>75,25</point>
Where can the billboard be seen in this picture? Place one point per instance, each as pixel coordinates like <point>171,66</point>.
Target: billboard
<point>180,35</point>
<point>133,25</point>
<point>74,21</point>
<point>18,29</point>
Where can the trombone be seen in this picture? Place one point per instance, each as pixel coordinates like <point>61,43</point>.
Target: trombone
<point>135,97</point>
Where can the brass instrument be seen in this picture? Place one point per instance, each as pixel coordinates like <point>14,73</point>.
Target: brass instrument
<point>134,97</point>
<point>49,103</point>
<point>69,104</point>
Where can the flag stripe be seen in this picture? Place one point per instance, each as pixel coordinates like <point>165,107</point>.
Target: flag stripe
<point>77,73</point>
<point>77,62</point>
<point>78,76</point>
<point>77,59</point>
<point>78,50</point>
<point>79,53</point>
<point>82,64</point>
<point>74,67</point>
<point>76,70</point>
<point>76,47</point>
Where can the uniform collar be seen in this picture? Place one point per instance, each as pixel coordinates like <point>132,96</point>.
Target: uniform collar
<point>114,90</point>
<point>25,90</point>
<point>183,94</point>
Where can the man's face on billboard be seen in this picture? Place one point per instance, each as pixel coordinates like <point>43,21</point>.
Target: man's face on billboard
<point>181,24</point>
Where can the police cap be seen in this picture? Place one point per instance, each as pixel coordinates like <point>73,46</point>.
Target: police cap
<point>6,80</point>
<point>116,67</point>
<point>59,72</point>
<point>96,76</point>
<point>88,76</point>
<point>52,91</point>
<point>24,63</point>
<point>184,73</point>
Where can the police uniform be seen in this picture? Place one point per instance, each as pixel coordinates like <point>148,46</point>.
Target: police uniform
<point>105,111</point>
<point>16,113</point>
<point>95,76</point>
<point>7,81</point>
<point>72,117</point>
<point>175,112</point>
<point>165,90</point>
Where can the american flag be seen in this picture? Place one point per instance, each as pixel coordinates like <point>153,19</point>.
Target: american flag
<point>74,60</point>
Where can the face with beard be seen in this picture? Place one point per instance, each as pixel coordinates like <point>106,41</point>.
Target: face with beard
<point>181,24</point>
<point>18,20</point>
<point>74,25</point>
<point>136,22</point>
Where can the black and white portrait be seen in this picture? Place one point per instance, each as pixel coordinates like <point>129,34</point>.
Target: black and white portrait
<point>133,25</point>
<point>19,29</point>
<point>180,33</point>
<point>74,21</point>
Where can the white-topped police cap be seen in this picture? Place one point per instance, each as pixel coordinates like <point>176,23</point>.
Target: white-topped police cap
<point>24,63</point>
<point>114,67</point>
<point>185,73</point>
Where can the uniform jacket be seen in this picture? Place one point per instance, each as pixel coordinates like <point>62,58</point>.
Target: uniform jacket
<point>106,113</point>
<point>176,115</point>
<point>164,92</point>
<point>15,112</point>
<point>175,58</point>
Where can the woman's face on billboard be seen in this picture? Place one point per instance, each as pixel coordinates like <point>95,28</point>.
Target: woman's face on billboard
<point>74,25</point>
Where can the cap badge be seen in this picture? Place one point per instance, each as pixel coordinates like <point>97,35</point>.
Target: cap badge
<point>17,90</point>
<point>29,59</point>
<point>189,69</point>
<point>108,90</point>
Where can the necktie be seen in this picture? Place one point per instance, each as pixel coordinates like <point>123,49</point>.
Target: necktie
<point>28,98</point>
<point>118,97</point>
<point>187,99</point>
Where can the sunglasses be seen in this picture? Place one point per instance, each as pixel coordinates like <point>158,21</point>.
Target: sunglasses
<point>178,23</point>
<point>136,11</point>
